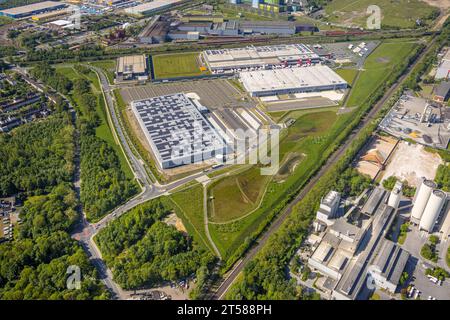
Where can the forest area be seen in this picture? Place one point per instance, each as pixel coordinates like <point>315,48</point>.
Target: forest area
<point>104,185</point>
<point>143,251</point>
<point>38,163</point>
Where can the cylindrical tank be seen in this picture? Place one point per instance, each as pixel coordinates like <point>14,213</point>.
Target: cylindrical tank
<point>395,196</point>
<point>421,198</point>
<point>432,210</point>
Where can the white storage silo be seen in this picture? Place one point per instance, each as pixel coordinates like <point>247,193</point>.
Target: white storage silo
<point>421,199</point>
<point>396,195</point>
<point>432,210</point>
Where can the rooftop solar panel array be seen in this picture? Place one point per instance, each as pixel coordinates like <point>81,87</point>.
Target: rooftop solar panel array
<point>177,130</point>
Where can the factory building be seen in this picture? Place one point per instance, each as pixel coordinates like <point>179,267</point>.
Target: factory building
<point>155,6</point>
<point>155,31</point>
<point>354,248</point>
<point>202,18</point>
<point>388,266</point>
<point>259,57</point>
<point>291,80</point>
<point>428,205</point>
<point>32,9</point>
<point>432,210</point>
<point>396,195</point>
<point>52,15</point>
<point>329,206</point>
<point>420,200</point>
<point>275,6</point>
<point>178,131</point>
<point>442,92</point>
<point>443,70</point>
<point>131,68</point>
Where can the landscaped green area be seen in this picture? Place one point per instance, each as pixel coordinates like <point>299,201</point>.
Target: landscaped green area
<point>429,251</point>
<point>234,196</point>
<point>377,68</point>
<point>176,65</point>
<point>309,136</point>
<point>394,14</point>
<point>188,204</point>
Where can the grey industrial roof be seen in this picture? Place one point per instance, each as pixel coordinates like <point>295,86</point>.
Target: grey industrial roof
<point>442,89</point>
<point>374,200</point>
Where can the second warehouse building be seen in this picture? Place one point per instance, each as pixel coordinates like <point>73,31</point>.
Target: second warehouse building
<point>291,80</point>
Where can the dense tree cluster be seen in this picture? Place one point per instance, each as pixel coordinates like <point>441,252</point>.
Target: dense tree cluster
<point>443,177</point>
<point>35,268</point>
<point>407,190</point>
<point>352,183</point>
<point>48,75</point>
<point>38,159</point>
<point>49,213</point>
<point>103,182</point>
<point>143,251</point>
<point>37,156</point>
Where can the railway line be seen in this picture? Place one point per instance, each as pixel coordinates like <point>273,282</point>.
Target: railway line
<point>338,154</point>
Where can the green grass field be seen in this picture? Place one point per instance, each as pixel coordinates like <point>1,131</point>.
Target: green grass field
<point>189,208</point>
<point>395,13</point>
<point>310,135</point>
<point>377,68</point>
<point>103,130</point>
<point>236,195</point>
<point>348,75</point>
<point>176,65</point>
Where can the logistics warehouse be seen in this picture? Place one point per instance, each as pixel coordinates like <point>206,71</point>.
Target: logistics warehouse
<point>259,57</point>
<point>291,80</point>
<point>32,9</point>
<point>177,130</point>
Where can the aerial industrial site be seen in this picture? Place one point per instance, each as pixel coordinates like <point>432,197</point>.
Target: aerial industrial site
<point>224,150</point>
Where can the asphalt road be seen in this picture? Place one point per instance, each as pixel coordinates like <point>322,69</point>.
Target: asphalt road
<point>231,277</point>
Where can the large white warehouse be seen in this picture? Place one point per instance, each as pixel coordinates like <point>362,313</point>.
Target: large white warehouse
<point>291,80</point>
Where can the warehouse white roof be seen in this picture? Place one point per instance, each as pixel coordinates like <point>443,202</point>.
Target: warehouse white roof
<point>32,7</point>
<point>289,78</point>
<point>149,6</point>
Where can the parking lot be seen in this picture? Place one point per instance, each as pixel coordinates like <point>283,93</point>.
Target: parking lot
<point>217,93</point>
<point>341,51</point>
<point>421,282</point>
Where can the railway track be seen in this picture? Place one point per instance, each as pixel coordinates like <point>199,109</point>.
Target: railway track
<point>275,225</point>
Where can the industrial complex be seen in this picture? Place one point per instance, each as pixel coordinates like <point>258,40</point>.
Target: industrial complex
<point>178,131</point>
<point>352,248</point>
<point>152,7</point>
<point>259,57</point>
<point>428,205</point>
<point>132,68</point>
<point>291,80</point>
<point>419,119</point>
<point>443,70</point>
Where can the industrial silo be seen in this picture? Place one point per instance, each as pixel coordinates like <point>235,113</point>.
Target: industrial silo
<point>396,195</point>
<point>421,198</point>
<point>432,210</point>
